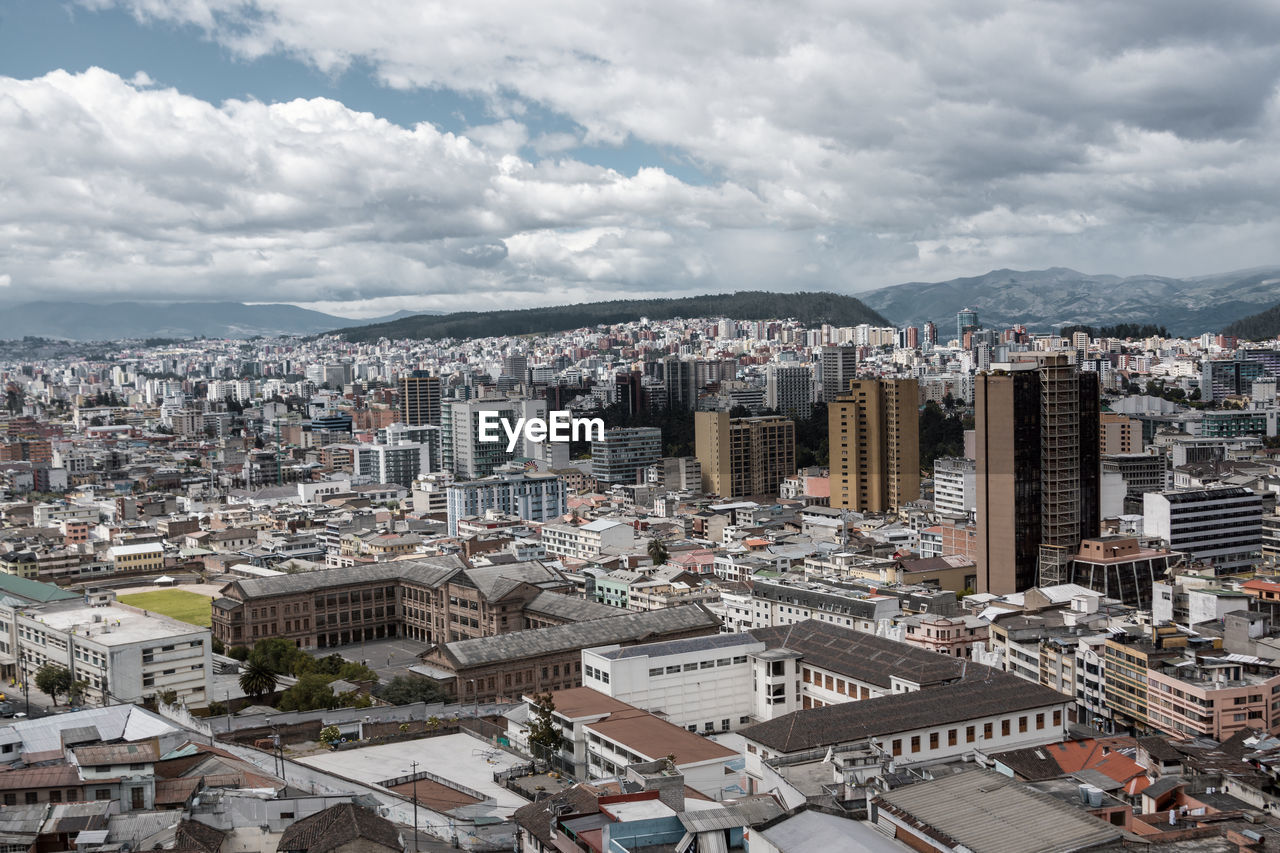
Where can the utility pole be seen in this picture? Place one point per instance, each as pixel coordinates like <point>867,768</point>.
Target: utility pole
<point>413,767</point>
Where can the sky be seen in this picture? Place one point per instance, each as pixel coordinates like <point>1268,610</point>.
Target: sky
<point>366,157</point>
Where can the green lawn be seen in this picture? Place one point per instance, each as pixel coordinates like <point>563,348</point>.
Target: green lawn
<point>176,603</point>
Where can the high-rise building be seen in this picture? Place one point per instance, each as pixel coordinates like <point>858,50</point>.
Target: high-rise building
<point>874,440</point>
<point>1038,470</point>
<point>966,321</point>
<point>532,497</point>
<point>516,366</point>
<point>680,377</point>
<point>420,398</point>
<point>463,451</point>
<point>741,457</point>
<point>789,390</point>
<point>624,454</point>
<point>955,486</point>
<point>839,365</point>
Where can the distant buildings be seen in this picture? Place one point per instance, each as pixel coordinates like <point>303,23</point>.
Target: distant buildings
<point>420,398</point>
<point>532,497</point>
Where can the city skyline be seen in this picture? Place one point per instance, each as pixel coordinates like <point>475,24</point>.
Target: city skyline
<point>364,164</point>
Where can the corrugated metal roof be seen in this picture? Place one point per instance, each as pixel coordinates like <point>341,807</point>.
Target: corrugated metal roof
<point>990,813</point>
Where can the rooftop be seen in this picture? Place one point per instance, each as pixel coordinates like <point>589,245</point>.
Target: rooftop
<point>985,811</point>
<point>112,625</point>
<point>850,722</point>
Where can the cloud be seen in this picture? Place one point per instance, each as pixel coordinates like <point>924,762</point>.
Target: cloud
<point>922,139</point>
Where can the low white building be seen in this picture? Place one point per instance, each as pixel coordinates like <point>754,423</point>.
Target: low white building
<point>702,684</point>
<point>1221,526</point>
<point>121,653</point>
<point>587,541</point>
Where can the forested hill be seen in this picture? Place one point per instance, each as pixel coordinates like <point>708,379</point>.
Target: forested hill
<point>810,308</point>
<point>1257,327</point>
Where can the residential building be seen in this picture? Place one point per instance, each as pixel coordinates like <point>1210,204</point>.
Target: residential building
<point>588,541</point>
<point>147,557</point>
<point>742,457</point>
<point>955,486</point>
<point>531,497</point>
<point>874,441</point>
<point>1119,434</point>
<point>390,463</point>
<point>788,390</point>
<point>462,450</point>
<point>838,366</point>
<point>1037,470</point>
<point>420,398</point>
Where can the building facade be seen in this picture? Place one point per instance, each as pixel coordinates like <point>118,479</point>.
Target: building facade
<point>874,441</point>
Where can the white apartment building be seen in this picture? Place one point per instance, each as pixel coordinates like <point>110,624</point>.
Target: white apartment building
<point>587,541</point>
<point>531,497</point>
<point>788,390</point>
<point>955,489</point>
<point>1220,526</point>
<point>122,653</point>
<point>702,684</point>
<point>50,515</point>
<point>390,463</point>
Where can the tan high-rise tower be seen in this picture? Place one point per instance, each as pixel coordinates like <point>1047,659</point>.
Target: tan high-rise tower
<point>741,457</point>
<point>873,433</point>
<point>420,398</point>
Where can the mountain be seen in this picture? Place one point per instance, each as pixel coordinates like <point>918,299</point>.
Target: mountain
<point>813,308</point>
<point>1042,299</point>
<point>1262,326</point>
<point>82,321</point>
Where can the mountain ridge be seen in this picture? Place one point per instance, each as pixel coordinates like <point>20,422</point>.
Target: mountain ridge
<point>1057,296</point>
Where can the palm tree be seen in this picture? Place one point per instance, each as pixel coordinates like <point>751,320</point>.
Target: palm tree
<point>257,679</point>
<point>657,552</point>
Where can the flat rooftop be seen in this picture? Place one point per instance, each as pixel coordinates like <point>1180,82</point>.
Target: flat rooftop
<point>459,758</point>
<point>116,626</point>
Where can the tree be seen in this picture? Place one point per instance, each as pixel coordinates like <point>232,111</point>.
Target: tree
<point>544,736</point>
<point>280,656</point>
<point>311,693</point>
<point>53,680</point>
<point>257,679</point>
<point>407,689</point>
<point>657,552</point>
<point>330,734</point>
<point>941,434</point>
<point>217,709</point>
<point>240,653</point>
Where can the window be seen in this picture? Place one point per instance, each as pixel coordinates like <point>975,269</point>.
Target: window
<point>102,793</point>
<point>1005,726</point>
<point>32,798</point>
<point>969,734</point>
<point>1022,724</point>
<point>1057,718</point>
<point>915,743</point>
<point>933,740</point>
<point>897,746</point>
<point>988,730</point>
<point>952,737</point>
<point>1039,721</point>
<point>10,799</point>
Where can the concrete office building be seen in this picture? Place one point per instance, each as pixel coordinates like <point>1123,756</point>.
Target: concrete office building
<point>532,497</point>
<point>390,463</point>
<point>874,440</point>
<point>741,457</point>
<point>788,390</point>
<point>838,366</point>
<point>624,454</point>
<point>1221,526</point>
<point>420,398</point>
<point>1038,470</point>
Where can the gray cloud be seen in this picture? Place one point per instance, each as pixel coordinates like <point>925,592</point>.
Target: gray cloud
<point>918,139</point>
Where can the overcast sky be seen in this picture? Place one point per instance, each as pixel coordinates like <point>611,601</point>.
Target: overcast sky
<point>362,156</point>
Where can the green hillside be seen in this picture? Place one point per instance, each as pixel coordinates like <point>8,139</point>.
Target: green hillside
<point>810,308</point>
<point>1257,327</point>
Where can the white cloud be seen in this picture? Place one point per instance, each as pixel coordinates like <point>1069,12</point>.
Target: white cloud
<point>918,139</point>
